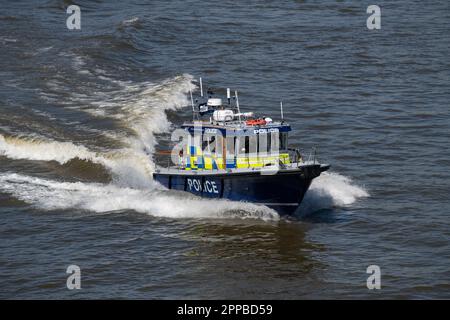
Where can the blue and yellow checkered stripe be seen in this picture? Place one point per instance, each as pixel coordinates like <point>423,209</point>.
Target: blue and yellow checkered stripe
<point>198,161</point>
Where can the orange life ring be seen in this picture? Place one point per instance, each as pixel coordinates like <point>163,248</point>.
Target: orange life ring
<point>256,122</point>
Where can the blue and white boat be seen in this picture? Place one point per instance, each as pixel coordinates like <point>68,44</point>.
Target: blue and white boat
<point>226,153</point>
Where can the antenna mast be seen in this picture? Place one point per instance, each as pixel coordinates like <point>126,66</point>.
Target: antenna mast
<point>201,87</point>
<point>193,108</point>
<point>237,104</point>
<point>281,109</point>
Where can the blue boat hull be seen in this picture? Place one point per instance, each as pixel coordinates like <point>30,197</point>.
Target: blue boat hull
<point>282,191</point>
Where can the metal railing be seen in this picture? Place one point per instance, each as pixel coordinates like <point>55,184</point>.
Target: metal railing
<point>295,158</point>
<point>312,157</point>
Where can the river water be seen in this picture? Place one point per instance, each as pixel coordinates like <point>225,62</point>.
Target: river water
<point>82,112</point>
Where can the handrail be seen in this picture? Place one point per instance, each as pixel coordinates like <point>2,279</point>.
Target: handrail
<point>295,157</point>
<point>312,155</point>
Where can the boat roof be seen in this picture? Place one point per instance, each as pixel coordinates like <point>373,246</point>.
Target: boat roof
<point>235,128</point>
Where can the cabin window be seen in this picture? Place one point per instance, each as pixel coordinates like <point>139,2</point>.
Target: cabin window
<point>283,140</point>
<point>242,145</point>
<point>274,142</point>
<point>262,143</point>
<point>247,145</point>
<point>218,145</point>
<point>208,144</point>
<point>253,144</point>
<point>268,143</point>
<point>205,143</point>
<point>231,142</point>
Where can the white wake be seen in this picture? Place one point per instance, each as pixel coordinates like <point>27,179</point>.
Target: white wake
<point>139,107</point>
<point>52,195</point>
<point>331,190</point>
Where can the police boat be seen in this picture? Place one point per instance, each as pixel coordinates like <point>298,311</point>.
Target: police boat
<point>226,153</point>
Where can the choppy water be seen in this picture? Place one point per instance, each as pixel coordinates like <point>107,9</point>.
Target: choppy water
<point>82,112</point>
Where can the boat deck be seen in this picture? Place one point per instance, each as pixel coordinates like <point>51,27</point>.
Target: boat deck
<point>294,167</point>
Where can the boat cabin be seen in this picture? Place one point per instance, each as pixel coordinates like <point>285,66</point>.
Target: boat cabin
<point>221,137</point>
<point>212,147</point>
